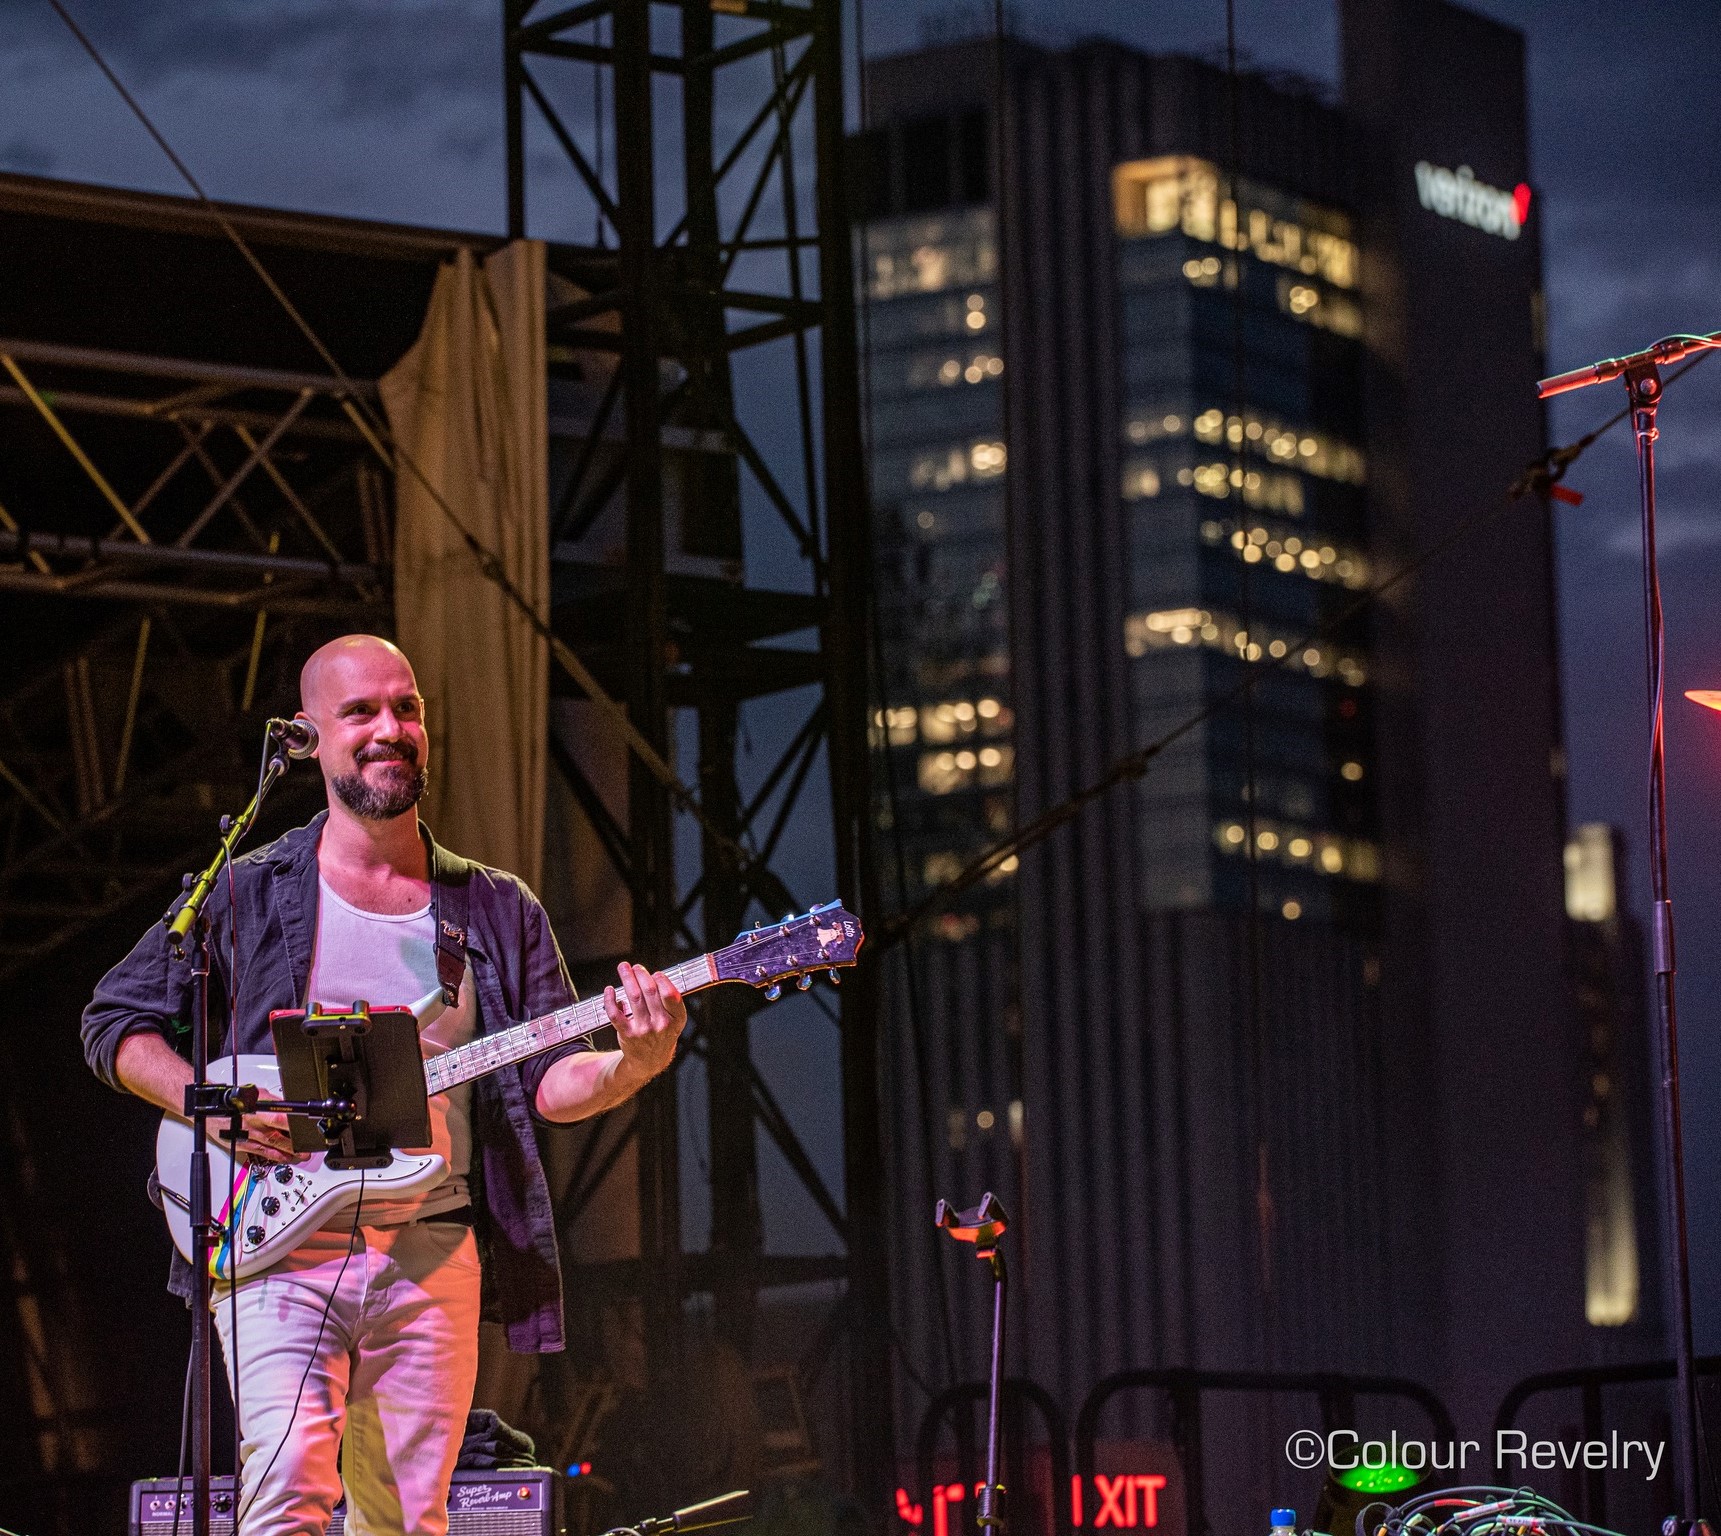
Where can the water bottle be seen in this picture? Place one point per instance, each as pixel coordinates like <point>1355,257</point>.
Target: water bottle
<point>1284,1523</point>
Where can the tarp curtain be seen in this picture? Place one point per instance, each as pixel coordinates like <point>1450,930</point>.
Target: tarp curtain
<point>468,403</point>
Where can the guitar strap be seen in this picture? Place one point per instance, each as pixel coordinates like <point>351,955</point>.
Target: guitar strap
<point>450,890</point>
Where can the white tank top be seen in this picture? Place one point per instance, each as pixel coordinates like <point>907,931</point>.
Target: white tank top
<point>389,961</point>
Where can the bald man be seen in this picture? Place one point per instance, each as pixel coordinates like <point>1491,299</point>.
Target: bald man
<point>353,1359</point>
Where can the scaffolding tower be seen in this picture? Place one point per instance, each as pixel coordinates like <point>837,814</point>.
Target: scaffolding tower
<point>706,250</point>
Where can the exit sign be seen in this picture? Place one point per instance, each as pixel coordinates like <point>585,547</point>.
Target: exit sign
<point>1128,1501</point>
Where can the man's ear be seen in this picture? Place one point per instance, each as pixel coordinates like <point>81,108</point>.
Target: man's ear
<point>315,751</point>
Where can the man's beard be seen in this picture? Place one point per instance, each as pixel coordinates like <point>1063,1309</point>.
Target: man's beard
<point>383,802</point>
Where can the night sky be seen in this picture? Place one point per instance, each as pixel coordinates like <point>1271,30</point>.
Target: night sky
<point>394,111</point>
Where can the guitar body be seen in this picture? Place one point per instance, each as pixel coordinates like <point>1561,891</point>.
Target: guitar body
<point>267,1209</point>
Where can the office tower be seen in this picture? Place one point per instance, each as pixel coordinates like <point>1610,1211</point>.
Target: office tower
<point>1271,1042</point>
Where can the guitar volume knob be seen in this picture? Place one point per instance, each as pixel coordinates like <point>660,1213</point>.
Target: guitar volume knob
<point>283,1174</point>
<point>270,1205</point>
<point>254,1235</point>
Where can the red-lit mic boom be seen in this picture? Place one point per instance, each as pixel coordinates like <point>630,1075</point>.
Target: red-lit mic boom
<point>1667,351</point>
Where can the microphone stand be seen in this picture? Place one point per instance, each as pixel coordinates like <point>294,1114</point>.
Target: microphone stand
<point>985,1226</point>
<point>1643,384</point>
<point>205,1101</point>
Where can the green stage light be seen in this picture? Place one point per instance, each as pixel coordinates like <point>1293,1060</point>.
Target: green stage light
<point>1346,1494</point>
<point>1390,1478</point>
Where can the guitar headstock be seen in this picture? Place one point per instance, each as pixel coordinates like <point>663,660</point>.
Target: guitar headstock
<point>823,939</point>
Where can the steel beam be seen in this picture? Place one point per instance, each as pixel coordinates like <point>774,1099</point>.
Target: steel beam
<point>232,375</point>
<point>846,649</point>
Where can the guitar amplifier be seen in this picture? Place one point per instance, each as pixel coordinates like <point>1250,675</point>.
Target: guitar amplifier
<point>518,1502</point>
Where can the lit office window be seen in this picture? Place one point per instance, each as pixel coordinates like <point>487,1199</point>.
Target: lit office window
<point>1290,553</point>
<point>1590,893</point>
<point>1211,629</point>
<point>1181,194</point>
<point>1319,307</point>
<point>1301,847</point>
<point>895,725</point>
<point>1296,447</point>
<point>1140,481</point>
<point>942,369</point>
<point>928,253</point>
<point>941,866</point>
<point>1265,490</point>
<point>937,469</point>
<point>942,773</point>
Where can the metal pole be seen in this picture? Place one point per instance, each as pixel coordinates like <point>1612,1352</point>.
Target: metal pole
<point>646,628</point>
<point>1643,389</point>
<point>202,1233</point>
<point>514,131</point>
<point>845,647</point>
<point>991,1513</point>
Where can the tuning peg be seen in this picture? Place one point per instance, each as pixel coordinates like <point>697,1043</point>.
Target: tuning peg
<point>835,980</point>
<point>804,980</point>
<point>773,992</point>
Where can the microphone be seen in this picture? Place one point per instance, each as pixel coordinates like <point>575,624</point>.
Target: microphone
<point>298,738</point>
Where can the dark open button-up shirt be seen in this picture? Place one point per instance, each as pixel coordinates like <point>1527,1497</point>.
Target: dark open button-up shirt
<point>519,975</point>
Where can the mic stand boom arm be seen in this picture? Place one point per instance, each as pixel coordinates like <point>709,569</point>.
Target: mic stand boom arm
<point>1670,349</point>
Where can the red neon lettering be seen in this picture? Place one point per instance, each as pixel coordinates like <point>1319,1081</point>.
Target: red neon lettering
<point>912,1513</point>
<point>1150,1484</point>
<point>942,1497</point>
<point>1111,1491</point>
<point>1075,1498</point>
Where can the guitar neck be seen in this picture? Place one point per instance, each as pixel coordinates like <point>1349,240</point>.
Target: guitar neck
<point>488,1053</point>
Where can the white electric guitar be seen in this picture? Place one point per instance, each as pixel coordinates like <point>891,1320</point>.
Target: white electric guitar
<point>271,1207</point>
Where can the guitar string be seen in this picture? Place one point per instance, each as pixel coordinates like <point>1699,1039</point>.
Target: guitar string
<point>506,1046</point>
<point>489,1052</point>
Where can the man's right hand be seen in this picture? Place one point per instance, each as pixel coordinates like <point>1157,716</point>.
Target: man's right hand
<point>268,1139</point>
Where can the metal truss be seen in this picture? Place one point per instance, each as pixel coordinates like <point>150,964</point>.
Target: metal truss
<point>254,516</point>
<point>742,263</point>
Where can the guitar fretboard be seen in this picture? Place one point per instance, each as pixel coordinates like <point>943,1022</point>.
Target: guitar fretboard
<point>506,1046</point>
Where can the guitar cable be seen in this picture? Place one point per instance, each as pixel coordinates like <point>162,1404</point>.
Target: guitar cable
<point>241,1505</point>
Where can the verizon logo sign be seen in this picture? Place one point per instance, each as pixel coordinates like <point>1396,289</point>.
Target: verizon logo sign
<point>1459,195</point>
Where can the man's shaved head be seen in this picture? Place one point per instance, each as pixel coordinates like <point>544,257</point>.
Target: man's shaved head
<point>360,693</point>
<point>339,662</point>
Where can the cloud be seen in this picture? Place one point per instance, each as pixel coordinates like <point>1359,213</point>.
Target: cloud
<point>356,58</point>
<point>22,153</point>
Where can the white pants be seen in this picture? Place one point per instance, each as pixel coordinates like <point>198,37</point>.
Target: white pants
<point>391,1374</point>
